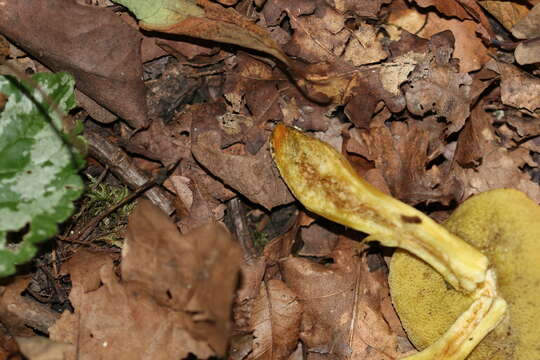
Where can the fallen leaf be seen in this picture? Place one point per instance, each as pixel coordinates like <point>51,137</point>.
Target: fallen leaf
<point>42,348</point>
<point>529,26</point>
<point>469,49</point>
<point>508,13</point>
<point>275,321</point>
<point>518,88</point>
<point>21,314</point>
<point>184,272</point>
<point>342,305</point>
<point>528,52</point>
<point>437,86</point>
<point>403,152</point>
<point>252,175</point>
<point>482,164</point>
<point>93,44</point>
<point>361,8</point>
<point>120,321</point>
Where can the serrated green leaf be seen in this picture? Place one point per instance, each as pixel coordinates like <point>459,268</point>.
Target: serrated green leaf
<point>38,170</point>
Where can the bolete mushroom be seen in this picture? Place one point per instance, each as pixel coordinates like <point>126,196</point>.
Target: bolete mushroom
<point>326,184</point>
<point>504,225</point>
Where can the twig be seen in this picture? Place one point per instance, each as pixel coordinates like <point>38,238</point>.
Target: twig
<point>83,233</point>
<point>241,229</point>
<point>121,165</point>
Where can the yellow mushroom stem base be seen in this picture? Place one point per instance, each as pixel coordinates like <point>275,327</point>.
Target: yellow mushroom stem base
<point>326,184</point>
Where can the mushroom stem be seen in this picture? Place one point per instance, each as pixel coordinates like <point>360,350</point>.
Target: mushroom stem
<point>326,184</point>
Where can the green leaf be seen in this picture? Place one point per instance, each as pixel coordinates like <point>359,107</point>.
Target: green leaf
<point>162,13</point>
<point>38,171</point>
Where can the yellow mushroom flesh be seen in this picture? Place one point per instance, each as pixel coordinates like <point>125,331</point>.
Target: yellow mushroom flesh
<point>326,184</point>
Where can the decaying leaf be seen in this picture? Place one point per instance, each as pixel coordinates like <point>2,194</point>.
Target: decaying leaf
<point>174,298</point>
<point>252,175</point>
<point>275,321</point>
<point>93,44</point>
<point>342,315</point>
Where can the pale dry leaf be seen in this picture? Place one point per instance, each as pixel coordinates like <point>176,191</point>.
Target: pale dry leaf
<point>275,322</point>
<point>529,26</point>
<point>195,272</point>
<point>42,348</point>
<point>364,47</point>
<point>518,88</point>
<point>508,13</point>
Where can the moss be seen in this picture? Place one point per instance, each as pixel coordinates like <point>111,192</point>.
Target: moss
<point>505,225</point>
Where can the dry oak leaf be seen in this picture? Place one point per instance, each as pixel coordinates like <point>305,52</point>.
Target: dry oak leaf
<point>93,44</point>
<point>120,321</point>
<point>518,88</point>
<point>319,33</point>
<point>342,300</point>
<point>482,164</point>
<point>469,49</point>
<point>254,176</point>
<point>275,321</point>
<point>196,272</point>
<point>529,26</point>
<point>402,152</point>
<point>362,8</point>
<point>175,296</point>
<point>508,13</point>
<point>435,85</point>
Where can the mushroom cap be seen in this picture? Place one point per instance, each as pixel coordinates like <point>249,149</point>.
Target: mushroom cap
<point>503,224</point>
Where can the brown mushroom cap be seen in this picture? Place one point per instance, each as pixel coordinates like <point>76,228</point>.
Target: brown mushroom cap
<point>503,224</point>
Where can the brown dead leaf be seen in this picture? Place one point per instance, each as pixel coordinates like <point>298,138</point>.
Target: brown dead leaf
<point>120,321</point>
<point>528,52</point>
<point>469,49</point>
<point>361,8</point>
<point>254,176</point>
<point>508,13</point>
<point>364,47</point>
<point>529,26</point>
<point>93,44</point>
<point>402,152</point>
<point>483,164</point>
<point>319,30</point>
<point>437,86</point>
<point>518,88</point>
<point>19,314</point>
<point>42,348</point>
<point>342,305</point>
<point>210,21</point>
<point>81,268</point>
<point>450,8</point>
<point>275,321</point>
<point>175,296</point>
<point>184,272</point>
<point>9,349</point>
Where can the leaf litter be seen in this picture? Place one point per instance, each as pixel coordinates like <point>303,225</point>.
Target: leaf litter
<point>428,99</point>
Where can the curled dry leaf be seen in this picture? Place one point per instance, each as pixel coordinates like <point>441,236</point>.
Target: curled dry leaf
<point>175,296</point>
<point>436,85</point>
<point>518,88</point>
<point>254,176</point>
<point>529,26</point>
<point>275,321</point>
<point>469,49</point>
<point>342,301</point>
<point>93,44</point>
<point>121,321</point>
